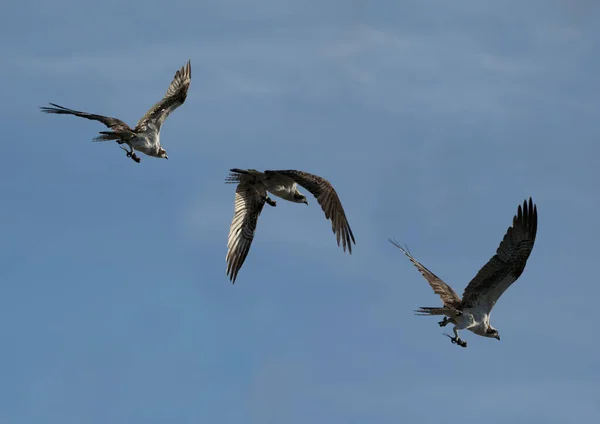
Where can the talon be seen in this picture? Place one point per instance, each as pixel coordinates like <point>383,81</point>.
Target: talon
<point>131,154</point>
<point>443,322</point>
<point>456,340</point>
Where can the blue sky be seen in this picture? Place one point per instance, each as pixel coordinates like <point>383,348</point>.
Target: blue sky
<point>433,120</point>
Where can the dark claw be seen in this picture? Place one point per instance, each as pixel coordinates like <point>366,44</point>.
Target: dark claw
<point>270,201</point>
<point>443,322</point>
<point>131,154</point>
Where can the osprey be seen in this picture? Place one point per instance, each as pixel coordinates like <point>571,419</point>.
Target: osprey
<point>251,195</point>
<point>145,137</point>
<point>472,312</point>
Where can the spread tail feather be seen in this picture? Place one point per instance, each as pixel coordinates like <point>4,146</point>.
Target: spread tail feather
<point>114,135</point>
<point>233,178</point>
<point>428,311</point>
<point>236,174</point>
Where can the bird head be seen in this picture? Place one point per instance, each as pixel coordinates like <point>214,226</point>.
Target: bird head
<point>162,153</point>
<point>300,198</point>
<point>493,333</point>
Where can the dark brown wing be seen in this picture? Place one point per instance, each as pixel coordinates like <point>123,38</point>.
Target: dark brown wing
<point>505,267</point>
<point>448,295</point>
<point>113,123</point>
<point>329,201</point>
<point>174,97</point>
<point>249,202</point>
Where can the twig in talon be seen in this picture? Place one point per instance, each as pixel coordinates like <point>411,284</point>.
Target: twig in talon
<point>452,339</point>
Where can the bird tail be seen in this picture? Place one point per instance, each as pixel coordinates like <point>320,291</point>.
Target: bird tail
<point>237,174</point>
<point>428,311</point>
<point>114,135</point>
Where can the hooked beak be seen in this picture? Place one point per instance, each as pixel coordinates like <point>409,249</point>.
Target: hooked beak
<point>497,337</point>
<point>305,202</point>
<point>166,157</point>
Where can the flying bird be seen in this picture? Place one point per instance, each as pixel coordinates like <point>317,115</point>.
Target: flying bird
<point>251,195</point>
<point>145,137</point>
<point>472,312</point>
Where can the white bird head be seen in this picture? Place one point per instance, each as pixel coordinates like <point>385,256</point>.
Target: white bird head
<point>493,333</point>
<point>162,153</point>
<point>300,198</point>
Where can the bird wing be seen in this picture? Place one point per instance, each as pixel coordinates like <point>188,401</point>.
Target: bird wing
<point>113,123</point>
<point>249,201</point>
<point>505,267</point>
<point>448,295</point>
<point>329,201</point>
<point>174,97</point>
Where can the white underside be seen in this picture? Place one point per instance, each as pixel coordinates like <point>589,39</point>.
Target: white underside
<point>281,187</point>
<point>473,320</point>
<point>147,142</point>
